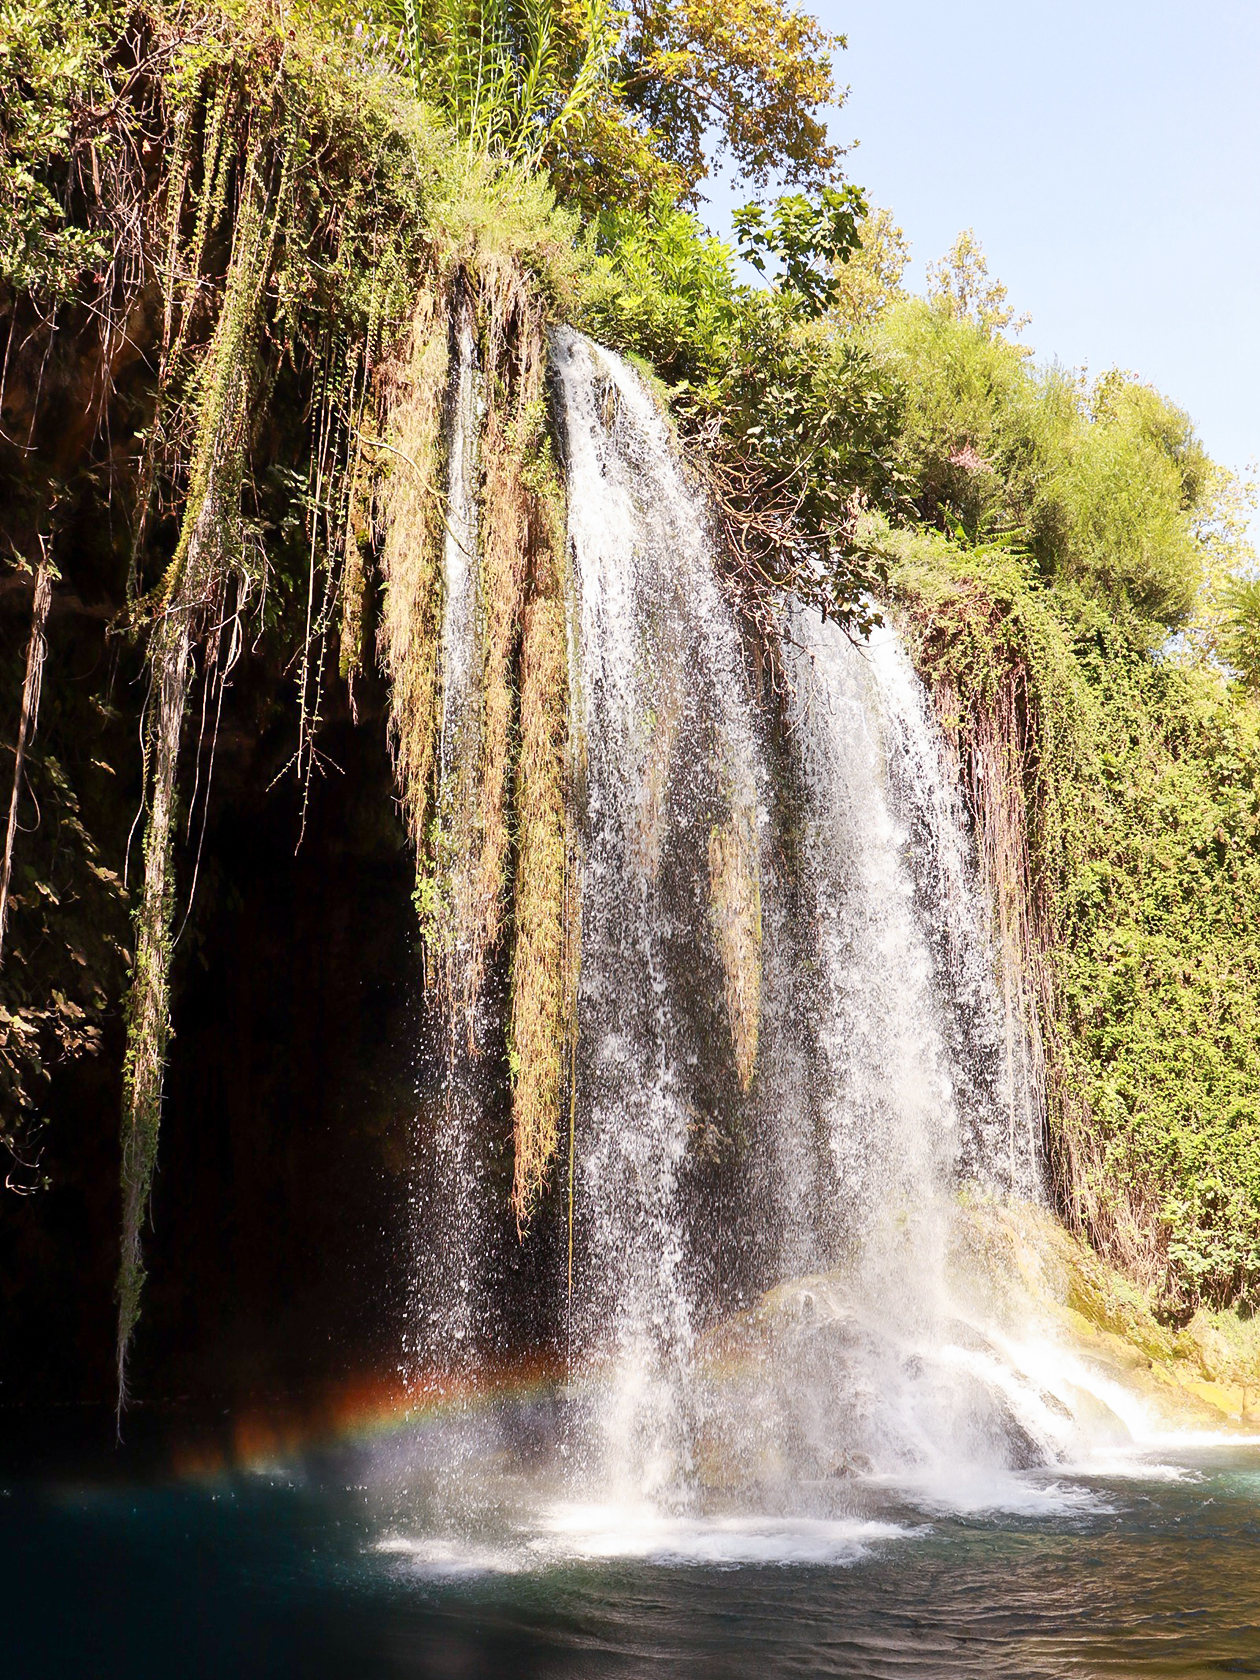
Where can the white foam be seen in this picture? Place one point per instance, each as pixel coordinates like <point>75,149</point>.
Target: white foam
<point>642,1533</point>
<point>971,1490</point>
<point>1130,1466</point>
<point>585,1533</point>
<point>445,1556</point>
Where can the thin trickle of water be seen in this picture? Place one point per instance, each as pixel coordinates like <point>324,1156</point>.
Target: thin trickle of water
<point>461,710</point>
<point>449,1304</point>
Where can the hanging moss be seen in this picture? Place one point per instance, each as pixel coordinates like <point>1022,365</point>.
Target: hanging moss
<point>548,898</point>
<point>354,583</point>
<point>514,350</point>
<point>662,730</point>
<point>735,894</point>
<point>191,601</point>
<point>28,720</point>
<point>463,816</point>
<point>412,522</point>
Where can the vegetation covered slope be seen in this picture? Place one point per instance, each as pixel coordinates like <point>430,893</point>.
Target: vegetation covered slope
<point>1071,609</point>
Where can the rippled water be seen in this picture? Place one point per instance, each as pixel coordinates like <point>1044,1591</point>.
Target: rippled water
<point>1152,1570</point>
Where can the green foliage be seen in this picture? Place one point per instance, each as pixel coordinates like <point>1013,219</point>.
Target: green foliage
<point>1240,638</point>
<point>51,66</point>
<point>808,238</point>
<point>791,422</point>
<point>518,77</point>
<point>64,957</point>
<point>1140,783</point>
<point>870,278</point>
<point>752,76</point>
<point>618,103</point>
<point>1109,488</point>
<point>1129,488</point>
<point>980,430</point>
<point>961,288</point>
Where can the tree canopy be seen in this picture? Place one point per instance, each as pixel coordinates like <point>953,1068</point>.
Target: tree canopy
<point>621,104</point>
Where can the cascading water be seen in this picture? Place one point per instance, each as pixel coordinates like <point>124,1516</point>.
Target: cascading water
<point>448,1307</point>
<point>672,785</point>
<point>798,1087</point>
<point>913,1094</point>
<point>886,1082</point>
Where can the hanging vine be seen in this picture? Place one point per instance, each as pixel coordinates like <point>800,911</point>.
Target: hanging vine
<point>190,603</point>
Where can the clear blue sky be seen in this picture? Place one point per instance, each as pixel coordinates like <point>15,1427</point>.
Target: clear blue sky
<point>1107,156</point>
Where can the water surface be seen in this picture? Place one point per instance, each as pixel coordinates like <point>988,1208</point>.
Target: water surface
<point>1153,1570</point>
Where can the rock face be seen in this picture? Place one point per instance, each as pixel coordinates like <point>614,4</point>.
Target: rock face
<point>1047,1357</point>
<point>1204,1375</point>
<point>812,1387</point>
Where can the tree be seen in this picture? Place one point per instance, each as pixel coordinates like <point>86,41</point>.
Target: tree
<point>1240,631</point>
<point>870,276</point>
<point>622,104</point>
<point>959,287</point>
<point>755,74</point>
<point>811,240</point>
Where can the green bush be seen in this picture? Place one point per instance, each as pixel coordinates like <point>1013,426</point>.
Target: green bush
<point>52,70</point>
<point>1108,493</point>
<point>1131,484</point>
<point>1240,632</point>
<point>792,421</point>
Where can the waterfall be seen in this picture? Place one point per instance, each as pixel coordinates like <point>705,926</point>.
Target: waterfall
<point>886,1080</point>
<point>672,786</point>
<point>800,1106</point>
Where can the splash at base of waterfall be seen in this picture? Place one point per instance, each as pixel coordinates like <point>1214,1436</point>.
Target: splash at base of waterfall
<point>817,1430</point>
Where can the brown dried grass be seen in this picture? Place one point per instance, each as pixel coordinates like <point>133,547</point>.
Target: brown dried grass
<point>513,352</point>
<point>545,960</point>
<point>512,784</point>
<point>411,513</point>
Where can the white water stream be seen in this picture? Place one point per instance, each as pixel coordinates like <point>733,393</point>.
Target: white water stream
<point>668,748</point>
